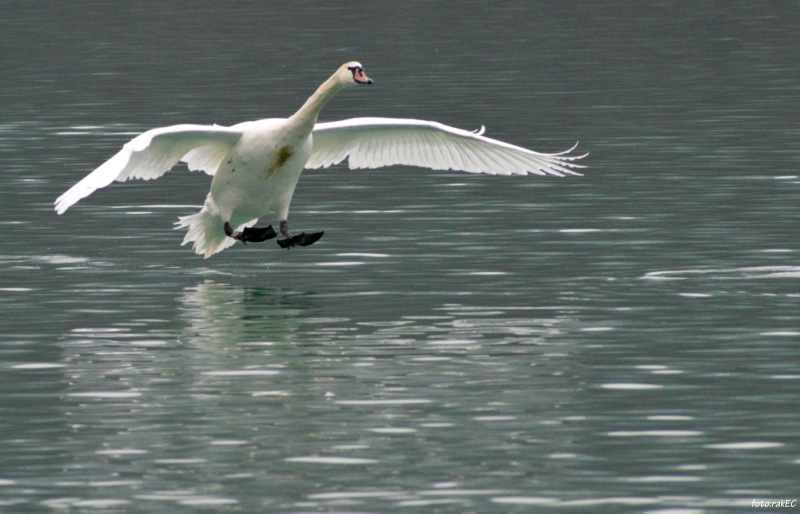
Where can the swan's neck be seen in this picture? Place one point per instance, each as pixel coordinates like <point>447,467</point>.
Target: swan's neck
<point>308,113</point>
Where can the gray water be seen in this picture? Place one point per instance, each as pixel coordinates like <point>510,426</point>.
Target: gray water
<point>623,340</point>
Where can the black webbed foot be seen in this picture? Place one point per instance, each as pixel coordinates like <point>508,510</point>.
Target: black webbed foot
<point>251,234</point>
<point>300,240</point>
<point>258,234</point>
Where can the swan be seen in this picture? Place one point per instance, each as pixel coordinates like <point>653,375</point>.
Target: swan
<point>255,165</point>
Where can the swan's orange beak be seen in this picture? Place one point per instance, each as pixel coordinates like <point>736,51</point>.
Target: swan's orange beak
<point>360,77</point>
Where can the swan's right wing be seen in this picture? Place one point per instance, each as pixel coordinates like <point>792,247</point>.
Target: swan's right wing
<point>377,142</point>
<point>151,154</point>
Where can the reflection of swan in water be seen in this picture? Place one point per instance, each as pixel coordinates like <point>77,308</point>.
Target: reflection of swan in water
<point>227,314</point>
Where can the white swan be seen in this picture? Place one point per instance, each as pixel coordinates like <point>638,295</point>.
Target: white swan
<point>256,164</point>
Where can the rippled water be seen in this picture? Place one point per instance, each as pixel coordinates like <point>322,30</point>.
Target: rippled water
<point>623,340</point>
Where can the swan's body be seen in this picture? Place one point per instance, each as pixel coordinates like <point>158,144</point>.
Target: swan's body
<point>256,164</point>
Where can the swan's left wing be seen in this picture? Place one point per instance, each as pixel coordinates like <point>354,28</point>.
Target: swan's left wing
<point>377,142</point>
<point>151,154</point>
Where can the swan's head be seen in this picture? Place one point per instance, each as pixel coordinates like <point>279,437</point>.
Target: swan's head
<point>353,73</point>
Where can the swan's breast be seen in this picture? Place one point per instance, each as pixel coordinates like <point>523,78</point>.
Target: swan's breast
<point>261,171</point>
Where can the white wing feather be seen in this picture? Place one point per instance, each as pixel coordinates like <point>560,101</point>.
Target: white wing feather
<point>377,142</point>
<point>151,154</point>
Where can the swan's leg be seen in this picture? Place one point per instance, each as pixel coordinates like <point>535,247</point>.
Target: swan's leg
<point>251,234</point>
<point>302,240</point>
<point>285,229</point>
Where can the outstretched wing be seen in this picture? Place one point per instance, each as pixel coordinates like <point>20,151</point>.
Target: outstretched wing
<point>377,142</point>
<point>153,153</point>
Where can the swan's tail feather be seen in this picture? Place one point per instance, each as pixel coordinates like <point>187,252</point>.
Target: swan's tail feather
<point>207,232</point>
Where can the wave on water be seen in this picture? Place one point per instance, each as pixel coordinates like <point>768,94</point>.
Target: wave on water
<point>744,273</point>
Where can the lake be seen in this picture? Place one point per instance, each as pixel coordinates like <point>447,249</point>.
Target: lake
<point>624,340</point>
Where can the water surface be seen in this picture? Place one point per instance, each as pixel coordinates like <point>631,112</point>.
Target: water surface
<point>628,339</point>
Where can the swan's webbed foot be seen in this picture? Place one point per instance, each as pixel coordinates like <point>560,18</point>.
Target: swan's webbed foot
<point>300,240</point>
<point>250,234</point>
